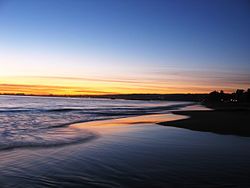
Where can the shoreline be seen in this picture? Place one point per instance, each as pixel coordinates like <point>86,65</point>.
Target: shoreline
<point>132,152</point>
<point>221,121</point>
<point>182,97</point>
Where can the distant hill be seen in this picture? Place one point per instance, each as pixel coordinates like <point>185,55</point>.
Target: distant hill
<point>164,97</point>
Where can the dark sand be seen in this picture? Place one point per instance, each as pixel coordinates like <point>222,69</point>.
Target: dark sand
<point>223,121</point>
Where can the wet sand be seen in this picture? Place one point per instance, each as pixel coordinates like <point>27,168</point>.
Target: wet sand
<point>223,121</point>
<point>132,152</point>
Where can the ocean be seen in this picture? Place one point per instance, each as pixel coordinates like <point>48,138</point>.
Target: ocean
<point>119,144</point>
<point>43,121</point>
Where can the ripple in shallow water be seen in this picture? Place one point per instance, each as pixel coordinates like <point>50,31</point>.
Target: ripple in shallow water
<point>46,138</point>
<point>43,121</point>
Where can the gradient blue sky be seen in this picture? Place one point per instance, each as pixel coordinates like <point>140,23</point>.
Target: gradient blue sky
<point>179,44</point>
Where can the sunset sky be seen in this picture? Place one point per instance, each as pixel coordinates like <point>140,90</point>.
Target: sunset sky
<point>132,46</point>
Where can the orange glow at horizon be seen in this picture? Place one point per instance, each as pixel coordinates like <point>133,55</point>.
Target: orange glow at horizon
<point>81,86</point>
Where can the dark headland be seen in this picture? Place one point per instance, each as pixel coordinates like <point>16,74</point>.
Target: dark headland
<point>158,97</point>
<point>230,114</point>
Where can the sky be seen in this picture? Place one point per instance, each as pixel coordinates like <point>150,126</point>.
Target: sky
<point>117,46</point>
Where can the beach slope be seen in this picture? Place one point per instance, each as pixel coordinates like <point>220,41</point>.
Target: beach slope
<point>223,121</point>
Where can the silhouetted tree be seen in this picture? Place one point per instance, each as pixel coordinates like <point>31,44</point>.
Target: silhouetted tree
<point>214,96</point>
<point>239,95</point>
<point>248,95</point>
<point>222,96</point>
